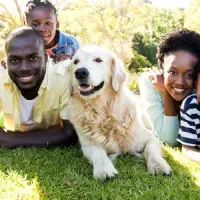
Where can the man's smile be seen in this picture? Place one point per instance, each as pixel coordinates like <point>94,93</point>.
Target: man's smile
<point>26,79</point>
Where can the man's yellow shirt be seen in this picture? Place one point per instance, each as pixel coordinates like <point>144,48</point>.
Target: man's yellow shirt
<point>51,105</point>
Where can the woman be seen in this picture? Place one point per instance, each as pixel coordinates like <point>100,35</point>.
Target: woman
<point>163,92</point>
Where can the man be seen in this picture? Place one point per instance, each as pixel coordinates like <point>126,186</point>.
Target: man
<point>33,98</point>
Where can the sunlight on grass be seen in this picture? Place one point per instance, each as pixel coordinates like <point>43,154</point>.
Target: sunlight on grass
<point>190,166</point>
<point>15,186</point>
<point>63,173</point>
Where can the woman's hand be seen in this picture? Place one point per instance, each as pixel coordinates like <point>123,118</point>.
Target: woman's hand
<point>157,79</point>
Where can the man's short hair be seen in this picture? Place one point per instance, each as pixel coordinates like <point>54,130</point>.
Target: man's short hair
<point>22,32</point>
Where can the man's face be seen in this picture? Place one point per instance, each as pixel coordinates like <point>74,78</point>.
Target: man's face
<point>26,61</point>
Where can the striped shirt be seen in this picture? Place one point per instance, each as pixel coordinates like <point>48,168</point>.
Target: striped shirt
<point>189,131</point>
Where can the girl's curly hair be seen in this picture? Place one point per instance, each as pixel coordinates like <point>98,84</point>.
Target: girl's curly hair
<point>31,4</point>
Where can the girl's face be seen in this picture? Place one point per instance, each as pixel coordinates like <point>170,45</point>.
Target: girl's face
<point>178,69</point>
<point>44,20</point>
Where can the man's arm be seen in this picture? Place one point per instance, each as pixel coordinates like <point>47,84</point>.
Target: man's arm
<point>191,152</point>
<point>53,136</point>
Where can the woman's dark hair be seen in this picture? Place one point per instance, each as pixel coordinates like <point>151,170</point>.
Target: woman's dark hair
<point>183,39</point>
<point>30,5</point>
<point>196,72</point>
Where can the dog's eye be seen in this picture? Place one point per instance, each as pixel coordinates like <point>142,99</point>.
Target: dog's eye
<point>98,60</point>
<point>76,61</point>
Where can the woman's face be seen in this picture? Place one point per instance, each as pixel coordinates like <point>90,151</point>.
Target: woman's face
<point>178,69</point>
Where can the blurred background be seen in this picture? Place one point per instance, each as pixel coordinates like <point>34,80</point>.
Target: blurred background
<point>130,28</point>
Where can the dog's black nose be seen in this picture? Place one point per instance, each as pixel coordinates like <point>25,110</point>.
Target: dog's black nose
<point>81,73</point>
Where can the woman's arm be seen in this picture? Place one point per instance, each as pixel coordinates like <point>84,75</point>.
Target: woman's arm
<point>157,81</point>
<point>169,105</point>
<point>52,136</point>
<point>160,109</point>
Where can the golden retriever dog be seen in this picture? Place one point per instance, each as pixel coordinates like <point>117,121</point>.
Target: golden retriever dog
<point>105,114</point>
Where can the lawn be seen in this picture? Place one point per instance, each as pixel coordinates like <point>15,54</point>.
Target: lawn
<point>62,173</point>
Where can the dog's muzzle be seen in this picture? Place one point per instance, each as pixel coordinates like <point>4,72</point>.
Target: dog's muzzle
<point>81,74</point>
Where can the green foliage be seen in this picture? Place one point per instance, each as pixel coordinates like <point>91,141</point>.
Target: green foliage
<point>1,121</point>
<point>6,30</point>
<point>138,63</point>
<point>2,52</point>
<point>165,21</point>
<point>108,24</point>
<point>133,83</point>
<point>112,24</point>
<point>10,17</point>
<point>192,16</point>
<point>158,23</point>
<point>145,45</point>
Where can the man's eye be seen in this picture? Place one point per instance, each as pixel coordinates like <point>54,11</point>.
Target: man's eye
<point>76,61</point>
<point>33,58</point>
<point>98,60</point>
<point>14,61</point>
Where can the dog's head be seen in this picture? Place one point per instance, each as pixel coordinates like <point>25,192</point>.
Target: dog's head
<point>94,69</point>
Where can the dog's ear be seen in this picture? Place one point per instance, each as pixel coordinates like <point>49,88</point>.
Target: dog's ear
<point>118,73</point>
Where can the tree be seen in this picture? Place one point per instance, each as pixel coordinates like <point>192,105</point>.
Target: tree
<point>156,25</point>
<point>9,20</point>
<point>138,63</point>
<point>192,16</point>
<point>109,24</point>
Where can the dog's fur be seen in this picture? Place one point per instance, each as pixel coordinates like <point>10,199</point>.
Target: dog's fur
<point>108,121</point>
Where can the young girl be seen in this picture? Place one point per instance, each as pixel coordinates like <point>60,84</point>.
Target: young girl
<point>42,15</point>
<point>163,93</point>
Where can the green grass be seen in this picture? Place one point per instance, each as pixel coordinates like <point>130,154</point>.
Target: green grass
<point>1,120</point>
<point>61,173</point>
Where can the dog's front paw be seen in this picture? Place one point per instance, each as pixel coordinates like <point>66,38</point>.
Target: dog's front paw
<point>159,167</point>
<point>104,171</point>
